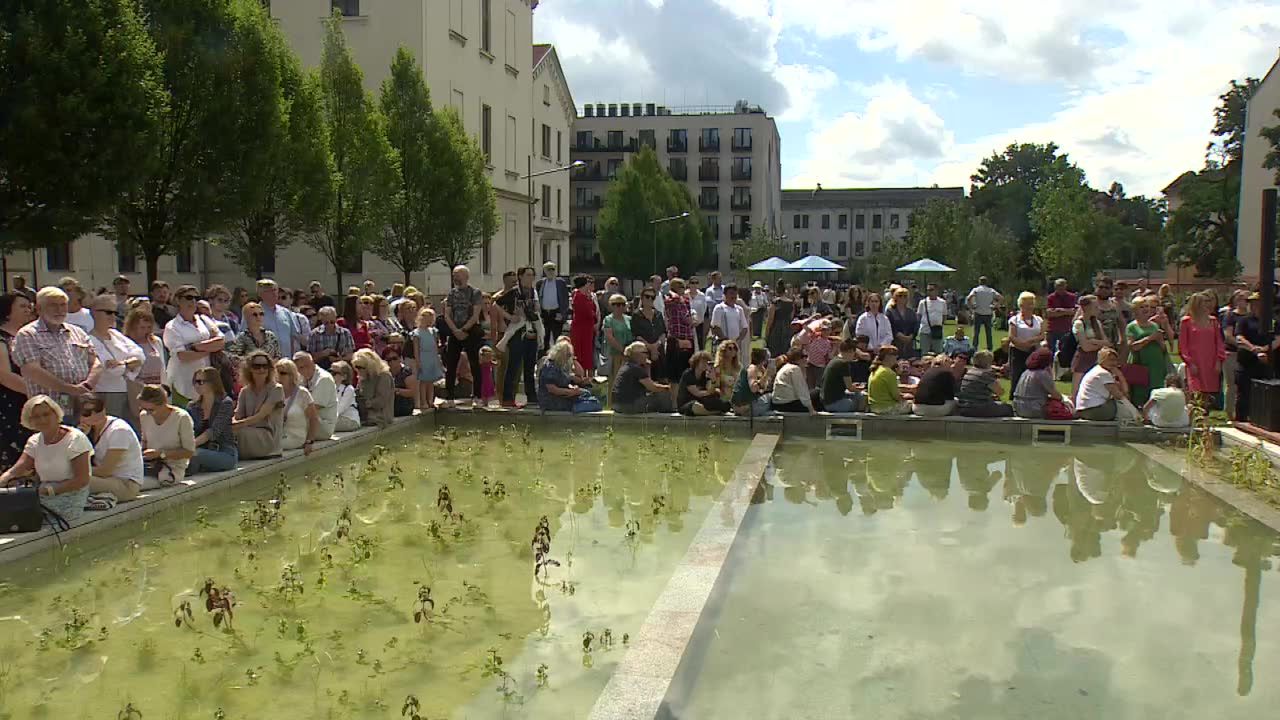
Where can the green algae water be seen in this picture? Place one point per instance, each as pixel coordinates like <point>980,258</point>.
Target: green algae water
<point>378,581</point>
<point>943,580</point>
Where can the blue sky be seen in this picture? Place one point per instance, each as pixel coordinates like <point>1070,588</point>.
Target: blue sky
<point>916,92</point>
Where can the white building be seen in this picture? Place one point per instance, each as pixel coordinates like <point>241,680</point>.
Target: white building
<point>850,224</point>
<point>1259,114</point>
<point>729,157</point>
<point>478,57</point>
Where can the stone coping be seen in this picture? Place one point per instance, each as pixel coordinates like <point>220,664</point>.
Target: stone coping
<point>150,502</point>
<point>1241,499</point>
<point>1238,438</point>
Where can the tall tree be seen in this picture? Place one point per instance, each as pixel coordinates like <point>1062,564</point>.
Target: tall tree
<point>73,127</point>
<point>757,246</point>
<point>949,232</point>
<point>630,243</point>
<point>405,240</point>
<point>465,213</point>
<point>1272,135</point>
<point>882,265</point>
<point>1227,146</point>
<point>362,161</point>
<point>224,94</point>
<point>289,185</point>
<point>1076,236</point>
<point>1202,231</point>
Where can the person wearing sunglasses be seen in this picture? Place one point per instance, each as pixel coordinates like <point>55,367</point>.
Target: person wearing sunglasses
<point>121,360</point>
<point>212,412</point>
<point>634,391</point>
<point>117,453</point>
<point>259,418</point>
<point>190,338</point>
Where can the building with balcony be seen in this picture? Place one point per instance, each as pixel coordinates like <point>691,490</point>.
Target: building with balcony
<point>850,224</point>
<point>729,157</point>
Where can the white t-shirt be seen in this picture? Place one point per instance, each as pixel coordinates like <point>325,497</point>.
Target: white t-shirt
<point>1093,388</point>
<point>180,335</point>
<point>82,318</point>
<point>698,307</point>
<point>295,420</point>
<point>118,347</point>
<point>177,433</point>
<point>1170,409</point>
<point>117,435</point>
<point>983,298</point>
<point>347,403</point>
<point>324,393</point>
<point>1020,329</point>
<point>53,462</point>
<point>731,320</point>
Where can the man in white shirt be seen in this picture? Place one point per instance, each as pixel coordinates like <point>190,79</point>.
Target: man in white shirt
<point>759,306</point>
<point>324,392</point>
<point>655,282</point>
<point>933,313</point>
<point>729,322</point>
<point>982,300</point>
<point>698,310</point>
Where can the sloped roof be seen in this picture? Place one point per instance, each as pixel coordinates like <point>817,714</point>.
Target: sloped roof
<point>540,51</point>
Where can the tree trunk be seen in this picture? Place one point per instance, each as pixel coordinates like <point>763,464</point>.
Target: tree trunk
<point>337,279</point>
<point>153,263</point>
<point>406,278</point>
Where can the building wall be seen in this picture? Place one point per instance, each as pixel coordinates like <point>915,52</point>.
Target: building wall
<point>803,213</point>
<point>764,185</point>
<point>1255,178</point>
<point>553,108</point>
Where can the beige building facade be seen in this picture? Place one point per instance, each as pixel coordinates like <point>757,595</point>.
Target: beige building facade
<point>851,224</point>
<point>730,158</point>
<point>478,57</point>
<point>1259,114</point>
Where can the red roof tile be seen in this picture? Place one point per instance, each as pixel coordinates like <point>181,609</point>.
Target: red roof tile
<point>539,52</point>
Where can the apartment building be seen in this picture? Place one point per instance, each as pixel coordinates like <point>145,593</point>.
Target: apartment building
<point>851,223</point>
<point>478,57</point>
<point>728,156</point>
<point>1259,114</point>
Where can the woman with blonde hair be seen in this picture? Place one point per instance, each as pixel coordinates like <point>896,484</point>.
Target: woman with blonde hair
<point>348,410</point>
<point>259,417</point>
<point>1026,333</point>
<point>556,389</point>
<point>1203,349</point>
<point>254,336</point>
<point>168,435</point>
<point>376,393</point>
<point>301,416</point>
<point>140,326</point>
<point>1103,389</point>
<point>728,366</point>
<point>58,455</point>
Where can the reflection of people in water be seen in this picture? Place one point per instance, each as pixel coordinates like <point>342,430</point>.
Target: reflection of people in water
<point>1190,515</point>
<point>1253,545</point>
<point>1140,509</point>
<point>977,479</point>
<point>1076,515</point>
<point>933,470</point>
<point>1027,480</point>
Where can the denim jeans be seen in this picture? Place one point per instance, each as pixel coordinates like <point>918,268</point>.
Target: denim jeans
<point>980,322</point>
<point>846,404</point>
<point>206,460</point>
<point>521,354</point>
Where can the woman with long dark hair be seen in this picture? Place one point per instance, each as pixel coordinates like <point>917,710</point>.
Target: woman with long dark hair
<point>778,321</point>
<point>15,311</point>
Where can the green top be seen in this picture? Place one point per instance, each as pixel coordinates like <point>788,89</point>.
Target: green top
<point>882,389</point>
<point>621,328</point>
<point>1152,357</point>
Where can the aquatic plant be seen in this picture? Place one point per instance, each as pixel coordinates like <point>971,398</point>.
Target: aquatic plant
<point>493,668</point>
<point>219,601</point>
<point>444,501</point>
<point>1251,468</point>
<point>658,504</point>
<point>362,547</point>
<point>425,605</point>
<point>183,615</point>
<point>410,708</point>
<point>588,640</point>
<point>1202,440</point>
<point>202,517</point>
<point>543,675</point>
<point>129,713</point>
<point>542,547</point>
<point>496,491</point>
<point>395,478</point>
<point>291,586</point>
<point>75,634</point>
<point>342,528</point>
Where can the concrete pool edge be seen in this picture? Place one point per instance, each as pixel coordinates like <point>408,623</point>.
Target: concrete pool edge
<point>638,687</point>
<point>1243,500</point>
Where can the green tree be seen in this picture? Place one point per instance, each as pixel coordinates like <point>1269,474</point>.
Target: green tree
<point>882,266</point>
<point>1227,146</point>
<point>757,246</point>
<point>1272,134</point>
<point>630,243</point>
<point>1202,231</point>
<point>949,232</point>
<point>362,161</point>
<point>1075,237</point>
<point>224,94</point>
<point>73,127</point>
<point>465,214</point>
<point>289,184</point>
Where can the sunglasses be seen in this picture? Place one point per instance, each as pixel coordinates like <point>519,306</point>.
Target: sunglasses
<point>366,302</point>
<point>197,382</point>
<point>257,314</point>
<point>189,298</point>
<point>618,304</point>
<point>89,410</point>
<point>648,297</point>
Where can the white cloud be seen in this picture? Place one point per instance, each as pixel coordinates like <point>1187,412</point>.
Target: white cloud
<point>804,84</point>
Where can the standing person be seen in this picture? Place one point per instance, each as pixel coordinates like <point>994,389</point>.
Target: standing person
<point>553,292</point>
<point>259,417</point>
<point>1165,298</point>
<point>759,307</point>
<point>324,392</point>
<point>121,360</point>
<point>15,311</point>
<point>319,298</point>
<point>1111,315</point>
<point>715,290</point>
<point>904,323</point>
<point>1090,338</point>
<point>254,335</point>
<point>932,311</point>
<point>425,340</point>
<point>219,298</point>
<point>77,313</point>
<point>139,327</point>
<point>778,321</point>
<point>521,311</point>
<point>729,320</point>
<point>874,324</point>
<point>330,342</point>
<point>617,334</point>
<point>1236,310</point>
<point>351,320</point>
<point>279,319</point>
<point>648,326</point>
<point>301,425</point>
<point>56,357</point>
<point>462,309</point>
<point>665,288</point>
<point>982,300</point>
<point>161,307</point>
<point>20,288</point>
<point>699,312</point>
<point>117,454</point>
<point>120,290</point>
<point>1026,333</point>
<point>1060,310</point>
<point>190,339</point>
<point>58,456</point>
<point>379,327</point>
<point>1147,350</point>
<point>681,336</point>
<point>1201,344</point>
<point>1255,343</point>
<point>168,436</point>
<point>584,321</point>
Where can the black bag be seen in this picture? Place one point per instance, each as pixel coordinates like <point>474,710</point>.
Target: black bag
<point>935,332</point>
<point>1067,347</point>
<point>20,510</point>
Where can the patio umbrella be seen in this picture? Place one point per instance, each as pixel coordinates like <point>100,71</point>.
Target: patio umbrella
<point>925,265</point>
<point>813,263</point>
<point>773,264</point>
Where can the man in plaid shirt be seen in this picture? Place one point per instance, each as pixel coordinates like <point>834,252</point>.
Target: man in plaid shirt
<point>330,341</point>
<point>680,330</point>
<point>56,357</point>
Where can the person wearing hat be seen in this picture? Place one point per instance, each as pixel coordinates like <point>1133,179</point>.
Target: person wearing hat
<point>758,304</point>
<point>1255,342</point>
<point>553,303</point>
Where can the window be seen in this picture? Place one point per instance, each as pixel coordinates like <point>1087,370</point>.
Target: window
<point>826,249</point>
<point>843,249</point>
<point>741,226</point>
<point>584,140</point>
<point>893,221</point>
<point>678,141</point>
<point>486,255</point>
<point>615,139</point>
<point>182,260</point>
<point>741,139</point>
<point>510,30</point>
<point>859,248</point>
<point>457,102</point>
<point>647,138</point>
<point>546,201</point>
<point>795,221</point>
<point>126,257</point>
<point>826,222</point>
<point>559,147</point>
<point>679,168</point>
<point>57,256</point>
<point>558,263</point>
<point>613,167</point>
<point>455,15</point>
<point>546,141</point>
<point>741,198</point>
<point>709,199</point>
<point>875,246</point>
<point>585,225</point>
<point>742,168</point>
<point>709,170</point>
<point>804,222</point>
<point>877,221</point>
<point>710,140</point>
<point>348,8</point>
<point>512,148</point>
<point>860,221</point>
<point>844,221</point>
<point>546,95</point>
<point>559,200</point>
<point>486,26</point>
<point>804,247</point>
<point>486,133</point>
<point>713,223</point>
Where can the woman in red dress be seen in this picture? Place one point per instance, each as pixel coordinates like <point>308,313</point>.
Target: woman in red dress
<point>1201,345</point>
<point>586,319</point>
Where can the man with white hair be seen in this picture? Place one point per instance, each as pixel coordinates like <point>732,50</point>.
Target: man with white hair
<point>323,389</point>
<point>462,307</point>
<point>56,358</point>
<point>329,341</point>
<point>280,319</point>
<point>553,294</point>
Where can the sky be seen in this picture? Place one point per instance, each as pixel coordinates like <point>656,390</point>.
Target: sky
<point>877,93</point>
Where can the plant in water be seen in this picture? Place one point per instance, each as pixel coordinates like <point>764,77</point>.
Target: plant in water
<point>202,517</point>
<point>425,604</point>
<point>362,547</point>
<point>493,668</point>
<point>496,491</point>
<point>291,586</point>
<point>1201,441</point>
<point>444,501</point>
<point>410,708</point>
<point>544,675</point>
<point>182,614</point>
<point>343,526</point>
<point>588,641</point>
<point>1251,468</point>
<point>219,601</point>
<point>395,477</point>
<point>542,547</point>
<point>129,713</point>
<point>197,657</point>
<point>658,504</point>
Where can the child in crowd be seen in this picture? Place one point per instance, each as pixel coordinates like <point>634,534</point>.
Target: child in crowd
<point>1167,407</point>
<point>487,364</point>
<point>426,341</point>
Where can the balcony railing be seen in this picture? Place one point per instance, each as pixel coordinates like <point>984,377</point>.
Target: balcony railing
<point>677,146</point>
<point>741,173</point>
<point>679,173</point>
<point>589,203</point>
<point>631,145</point>
<point>740,203</point>
<point>744,146</point>
<point>592,173</point>
<point>706,174</point>
<point>708,203</point>
<point>708,146</point>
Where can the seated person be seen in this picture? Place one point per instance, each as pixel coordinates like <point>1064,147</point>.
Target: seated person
<point>885,396</point>
<point>301,426</point>
<point>935,396</point>
<point>860,366</point>
<point>259,418</point>
<point>348,419</point>
<point>751,392</point>
<point>404,382</point>
<point>839,393</point>
<point>211,413</point>
<point>906,376</point>
<point>1036,387</point>
<point>557,390</point>
<point>1167,407</point>
<point>1101,389</point>
<point>117,454</point>
<point>696,394</point>
<point>980,390</point>
<point>57,455</point>
<point>634,391</point>
<point>958,344</point>
<point>168,437</point>
<point>790,389</point>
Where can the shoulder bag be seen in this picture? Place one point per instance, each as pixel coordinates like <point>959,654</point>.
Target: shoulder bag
<point>20,509</point>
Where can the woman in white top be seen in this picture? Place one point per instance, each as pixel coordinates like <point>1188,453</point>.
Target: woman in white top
<point>301,416</point>
<point>57,454</point>
<point>117,454</point>
<point>790,390</point>
<point>191,339</point>
<point>1102,389</point>
<point>1026,332</point>
<point>874,324</point>
<point>121,359</point>
<point>348,410</point>
<point>168,436</point>
<point>139,326</point>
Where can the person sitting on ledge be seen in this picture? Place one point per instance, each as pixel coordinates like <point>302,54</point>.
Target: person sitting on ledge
<point>348,410</point>
<point>168,436</point>
<point>1101,389</point>
<point>1167,407</point>
<point>958,344</point>
<point>751,391</point>
<point>117,454</point>
<point>1036,394</point>
<point>790,389</point>
<point>884,396</point>
<point>634,392</point>
<point>840,394</point>
<point>211,413</point>
<point>935,395</point>
<point>980,389</point>
<point>557,390</point>
<point>259,418</point>
<point>375,394</point>
<point>57,455</point>
<point>697,394</point>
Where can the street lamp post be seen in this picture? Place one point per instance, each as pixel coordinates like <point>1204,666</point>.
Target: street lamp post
<point>655,224</point>
<point>533,201</point>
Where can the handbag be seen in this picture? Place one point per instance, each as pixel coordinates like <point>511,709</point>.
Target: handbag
<point>1136,375</point>
<point>1057,410</point>
<point>20,510</point>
